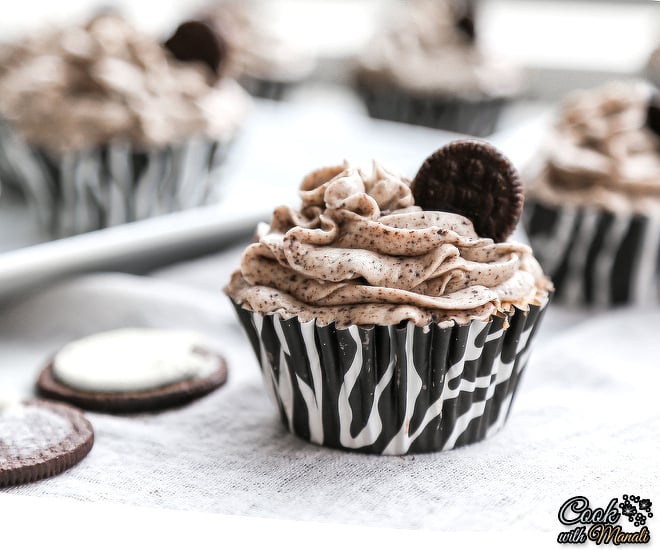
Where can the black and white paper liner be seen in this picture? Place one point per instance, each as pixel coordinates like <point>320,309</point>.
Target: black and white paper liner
<point>595,257</point>
<point>392,389</point>
<point>267,89</point>
<point>86,190</point>
<point>477,118</point>
<point>23,171</point>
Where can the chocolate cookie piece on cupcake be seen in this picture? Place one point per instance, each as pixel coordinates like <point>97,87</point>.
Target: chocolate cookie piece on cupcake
<point>385,316</point>
<point>133,370</point>
<point>593,211</point>
<point>426,67</point>
<point>40,439</point>
<point>101,125</point>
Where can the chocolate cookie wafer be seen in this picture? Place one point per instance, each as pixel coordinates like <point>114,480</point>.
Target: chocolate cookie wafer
<point>475,180</point>
<point>39,439</point>
<point>199,40</point>
<point>653,113</point>
<point>133,370</point>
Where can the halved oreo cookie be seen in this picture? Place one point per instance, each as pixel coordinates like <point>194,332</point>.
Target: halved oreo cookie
<point>473,179</point>
<point>199,40</point>
<point>133,370</point>
<point>39,439</point>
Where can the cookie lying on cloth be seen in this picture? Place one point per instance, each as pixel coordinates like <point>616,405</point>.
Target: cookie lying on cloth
<point>133,370</point>
<point>39,439</point>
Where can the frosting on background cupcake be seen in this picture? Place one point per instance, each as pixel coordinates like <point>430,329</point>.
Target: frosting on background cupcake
<point>258,48</point>
<point>360,252</point>
<point>430,47</point>
<point>602,152</point>
<point>78,87</point>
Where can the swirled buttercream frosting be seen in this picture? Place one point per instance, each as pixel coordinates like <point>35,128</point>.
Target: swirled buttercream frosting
<point>259,48</point>
<point>601,151</point>
<point>425,50</point>
<point>360,252</point>
<point>81,86</point>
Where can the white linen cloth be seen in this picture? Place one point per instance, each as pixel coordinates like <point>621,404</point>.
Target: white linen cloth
<point>586,421</point>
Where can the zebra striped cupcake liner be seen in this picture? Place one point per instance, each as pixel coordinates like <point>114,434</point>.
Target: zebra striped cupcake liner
<point>392,390</point>
<point>595,257</point>
<point>275,90</point>
<point>476,118</point>
<point>82,191</point>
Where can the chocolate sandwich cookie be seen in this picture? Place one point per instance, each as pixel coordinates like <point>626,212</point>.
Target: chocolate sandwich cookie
<point>133,370</point>
<point>653,113</point>
<point>199,40</point>
<point>40,439</point>
<point>473,179</point>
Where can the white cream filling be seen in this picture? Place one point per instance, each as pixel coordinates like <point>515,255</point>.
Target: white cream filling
<point>135,359</point>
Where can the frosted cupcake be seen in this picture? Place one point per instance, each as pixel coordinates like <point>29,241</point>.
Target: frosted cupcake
<point>593,213</point>
<point>264,59</point>
<point>383,320</point>
<point>102,126</point>
<point>426,68</point>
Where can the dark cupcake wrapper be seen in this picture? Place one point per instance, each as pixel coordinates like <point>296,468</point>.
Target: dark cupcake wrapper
<point>596,257</point>
<point>81,191</point>
<point>265,88</point>
<point>392,389</point>
<point>476,118</point>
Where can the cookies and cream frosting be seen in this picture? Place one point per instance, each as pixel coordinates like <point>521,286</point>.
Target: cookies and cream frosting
<point>259,48</point>
<point>132,360</point>
<point>360,252</point>
<point>423,50</point>
<point>77,87</point>
<point>602,153</point>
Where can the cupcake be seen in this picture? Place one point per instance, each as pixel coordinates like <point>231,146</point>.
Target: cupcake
<point>385,320</point>
<point>262,57</point>
<point>593,211</point>
<point>101,126</point>
<point>426,68</point>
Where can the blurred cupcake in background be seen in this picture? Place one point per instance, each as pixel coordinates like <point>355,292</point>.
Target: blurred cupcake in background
<point>426,68</point>
<point>261,55</point>
<point>101,126</point>
<point>593,213</point>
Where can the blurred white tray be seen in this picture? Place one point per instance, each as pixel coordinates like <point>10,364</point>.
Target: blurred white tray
<point>280,144</point>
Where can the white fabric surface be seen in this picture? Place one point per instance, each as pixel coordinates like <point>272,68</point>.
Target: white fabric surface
<point>586,421</point>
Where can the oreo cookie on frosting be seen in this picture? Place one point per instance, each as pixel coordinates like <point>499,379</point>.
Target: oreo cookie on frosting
<point>39,439</point>
<point>133,370</point>
<point>471,178</point>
